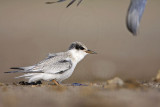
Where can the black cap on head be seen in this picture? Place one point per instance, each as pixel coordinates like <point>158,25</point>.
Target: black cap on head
<point>78,46</point>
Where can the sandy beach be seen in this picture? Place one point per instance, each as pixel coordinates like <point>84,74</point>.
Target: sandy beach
<point>30,29</point>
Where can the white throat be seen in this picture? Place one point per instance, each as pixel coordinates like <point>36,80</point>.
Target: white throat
<point>77,55</point>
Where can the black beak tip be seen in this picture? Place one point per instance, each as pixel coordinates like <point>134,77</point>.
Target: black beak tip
<point>95,53</point>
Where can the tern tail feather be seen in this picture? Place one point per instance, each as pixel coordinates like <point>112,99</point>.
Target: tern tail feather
<point>12,71</point>
<point>20,69</point>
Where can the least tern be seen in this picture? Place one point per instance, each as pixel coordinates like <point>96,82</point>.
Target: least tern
<point>57,66</point>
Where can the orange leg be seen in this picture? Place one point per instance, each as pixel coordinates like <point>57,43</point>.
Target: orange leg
<point>56,82</point>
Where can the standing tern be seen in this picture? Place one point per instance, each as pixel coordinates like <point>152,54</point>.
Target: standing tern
<point>57,66</point>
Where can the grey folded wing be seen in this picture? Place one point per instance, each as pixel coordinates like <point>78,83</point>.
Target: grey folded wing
<point>48,66</point>
<point>54,63</point>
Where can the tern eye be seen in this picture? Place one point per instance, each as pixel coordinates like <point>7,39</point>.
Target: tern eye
<point>78,47</point>
<point>81,48</point>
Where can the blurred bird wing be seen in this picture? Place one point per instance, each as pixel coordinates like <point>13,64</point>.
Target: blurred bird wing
<point>70,3</point>
<point>134,15</point>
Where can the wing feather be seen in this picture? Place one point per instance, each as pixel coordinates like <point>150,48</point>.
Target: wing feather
<point>53,65</point>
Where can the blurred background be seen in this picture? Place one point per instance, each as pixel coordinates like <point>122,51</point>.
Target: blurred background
<point>30,29</point>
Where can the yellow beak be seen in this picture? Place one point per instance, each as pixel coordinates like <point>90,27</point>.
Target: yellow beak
<point>90,52</point>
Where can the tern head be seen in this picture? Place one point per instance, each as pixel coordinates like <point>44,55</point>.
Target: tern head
<point>79,50</point>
